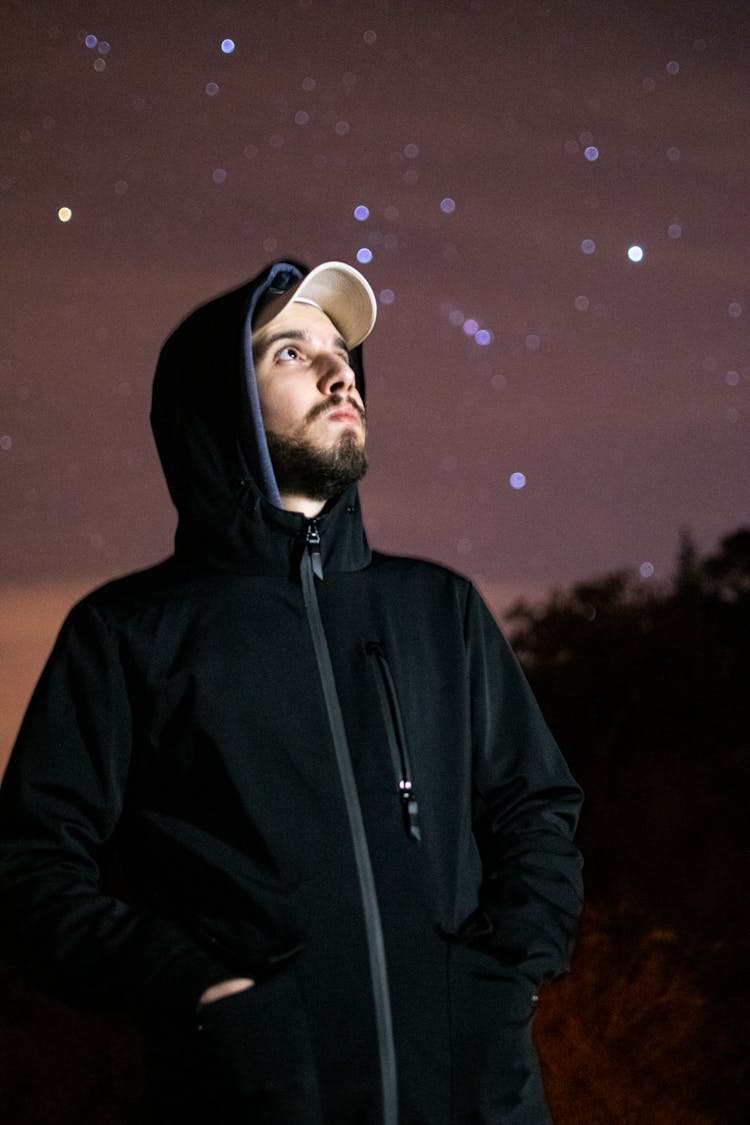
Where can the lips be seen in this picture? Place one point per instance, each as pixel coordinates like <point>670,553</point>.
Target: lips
<point>339,409</point>
<point>342,414</point>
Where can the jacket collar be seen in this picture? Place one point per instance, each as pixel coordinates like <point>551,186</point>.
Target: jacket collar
<point>260,539</point>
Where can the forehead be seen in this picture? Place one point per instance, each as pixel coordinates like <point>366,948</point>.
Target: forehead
<point>298,317</point>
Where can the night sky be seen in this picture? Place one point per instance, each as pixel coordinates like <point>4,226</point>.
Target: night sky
<point>544,407</point>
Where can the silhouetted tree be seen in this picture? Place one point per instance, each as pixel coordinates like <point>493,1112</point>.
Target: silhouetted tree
<point>646,688</point>
<point>727,574</point>
<point>619,663</point>
<point>688,576</point>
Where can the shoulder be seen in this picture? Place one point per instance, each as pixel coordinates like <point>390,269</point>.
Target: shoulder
<point>411,566</point>
<point>416,570</point>
<point>128,589</point>
<point>133,596</point>
<point>416,582</point>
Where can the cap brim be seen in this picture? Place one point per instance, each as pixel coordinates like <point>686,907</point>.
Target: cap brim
<point>341,292</point>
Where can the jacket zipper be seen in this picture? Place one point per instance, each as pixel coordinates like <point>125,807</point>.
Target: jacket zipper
<point>310,566</point>
<point>313,546</point>
<point>394,730</point>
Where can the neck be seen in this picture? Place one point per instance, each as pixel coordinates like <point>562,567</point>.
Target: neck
<point>293,503</point>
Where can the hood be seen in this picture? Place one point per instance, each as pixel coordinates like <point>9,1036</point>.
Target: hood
<point>208,428</point>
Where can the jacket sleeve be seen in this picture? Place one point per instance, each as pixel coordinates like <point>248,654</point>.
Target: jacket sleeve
<point>60,803</point>
<point>526,810</point>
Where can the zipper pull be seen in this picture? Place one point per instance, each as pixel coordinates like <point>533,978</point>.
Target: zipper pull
<point>313,546</point>
<point>411,810</point>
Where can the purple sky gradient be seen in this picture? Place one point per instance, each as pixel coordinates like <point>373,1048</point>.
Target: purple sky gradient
<point>618,389</point>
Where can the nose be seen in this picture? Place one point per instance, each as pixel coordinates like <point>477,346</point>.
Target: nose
<point>337,376</point>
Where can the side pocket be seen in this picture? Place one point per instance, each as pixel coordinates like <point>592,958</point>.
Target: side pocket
<point>258,1054</point>
<point>495,1068</point>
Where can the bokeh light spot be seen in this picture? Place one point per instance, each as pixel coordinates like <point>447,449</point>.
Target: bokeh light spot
<point>219,175</point>
<point>212,89</point>
<point>483,337</point>
<point>646,570</point>
<point>6,442</point>
<point>673,154</point>
<point>227,46</point>
<point>65,214</point>
<point>341,128</point>
<point>447,205</point>
<point>635,253</point>
<point>674,230</point>
<point>411,151</point>
<point>582,303</point>
<point>103,47</point>
<point>91,41</point>
<point>734,308</point>
<point>100,65</point>
<point>364,255</point>
<point>301,117</point>
<point>386,296</point>
<point>370,37</point>
<point>517,480</point>
<point>732,378</point>
<point>673,67</point>
<point>308,84</point>
<point>591,153</point>
<point>361,213</point>
<point>456,317</point>
<point>533,342</point>
<point>470,326</point>
<point>588,246</point>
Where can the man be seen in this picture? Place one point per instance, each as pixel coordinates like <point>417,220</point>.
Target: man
<point>288,799</point>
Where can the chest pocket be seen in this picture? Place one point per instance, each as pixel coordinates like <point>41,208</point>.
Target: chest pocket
<point>394,729</point>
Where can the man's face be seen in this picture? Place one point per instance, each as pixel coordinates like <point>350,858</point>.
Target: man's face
<point>312,411</point>
<point>306,387</point>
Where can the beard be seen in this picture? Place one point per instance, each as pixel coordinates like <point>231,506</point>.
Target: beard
<point>303,469</point>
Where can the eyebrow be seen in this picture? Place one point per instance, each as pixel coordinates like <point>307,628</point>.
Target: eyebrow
<point>260,349</point>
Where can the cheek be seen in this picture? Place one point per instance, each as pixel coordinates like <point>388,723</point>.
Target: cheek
<point>281,408</point>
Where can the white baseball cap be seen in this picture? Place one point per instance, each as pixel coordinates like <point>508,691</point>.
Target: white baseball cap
<point>338,290</point>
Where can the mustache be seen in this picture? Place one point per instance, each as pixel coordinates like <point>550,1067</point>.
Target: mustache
<point>331,404</point>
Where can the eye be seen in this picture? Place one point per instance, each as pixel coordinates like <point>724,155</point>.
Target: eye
<point>288,352</point>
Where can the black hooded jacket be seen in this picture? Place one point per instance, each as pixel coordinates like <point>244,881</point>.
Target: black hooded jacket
<point>340,786</point>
